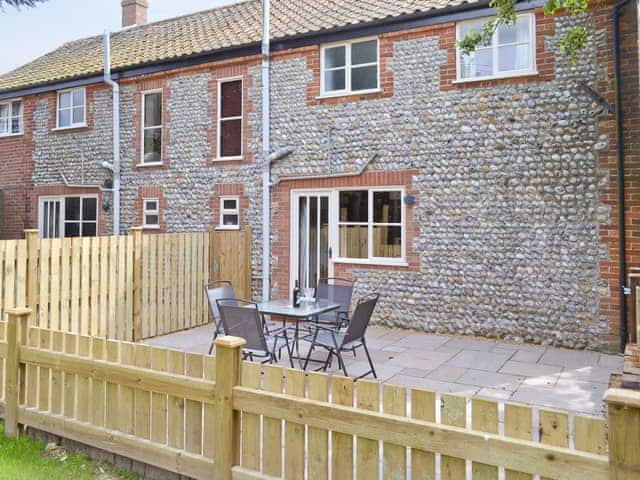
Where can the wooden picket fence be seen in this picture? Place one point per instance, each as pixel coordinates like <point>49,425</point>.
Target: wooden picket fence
<point>126,287</point>
<point>223,418</point>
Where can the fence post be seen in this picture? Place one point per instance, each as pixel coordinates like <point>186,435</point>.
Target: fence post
<point>227,421</point>
<point>623,407</point>
<point>32,237</point>
<point>16,335</point>
<point>137,283</point>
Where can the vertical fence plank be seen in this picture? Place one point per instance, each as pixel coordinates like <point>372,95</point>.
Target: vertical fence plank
<point>152,311</point>
<point>3,279</point>
<point>518,423</point>
<point>394,402</point>
<point>76,258</point>
<point>272,427</point>
<point>121,331</point>
<point>623,413</point>
<point>193,417</point>
<point>10,274</point>
<point>453,412</point>
<point>17,323</point>
<point>176,404</point>
<point>137,283</point>
<point>423,407</point>
<point>31,394</point>
<point>294,432</point>
<point>69,394</point>
<point>142,428</point>
<point>590,434</point>
<point>342,444</point>
<point>33,246</point>
<point>65,284</point>
<point>318,462</point>
<point>104,286</point>
<point>159,400</point>
<point>57,378</point>
<point>95,286</point>
<point>484,418</point>
<point>368,398</point>
<point>85,290</point>
<point>181,289</point>
<point>554,429</point>
<point>113,279</point>
<point>126,417</point>
<point>129,287</point>
<point>44,281</point>
<point>145,303</point>
<point>98,387</point>
<point>21,276</point>
<point>112,409</point>
<point>160,270</point>
<point>208,434</point>
<point>54,299</point>
<point>251,377</point>
<point>84,350</point>
<point>44,380</point>
<point>174,287</point>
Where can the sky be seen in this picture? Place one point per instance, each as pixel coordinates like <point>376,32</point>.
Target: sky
<point>27,33</point>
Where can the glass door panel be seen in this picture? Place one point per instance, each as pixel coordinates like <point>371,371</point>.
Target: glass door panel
<point>313,252</point>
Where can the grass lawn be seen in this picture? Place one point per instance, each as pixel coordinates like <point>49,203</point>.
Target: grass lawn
<point>26,459</point>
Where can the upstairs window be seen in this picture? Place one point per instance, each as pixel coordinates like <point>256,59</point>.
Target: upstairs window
<point>151,128</point>
<point>350,67</point>
<point>10,118</point>
<point>72,108</point>
<point>230,119</point>
<point>510,52</point>
<point>151,212</point>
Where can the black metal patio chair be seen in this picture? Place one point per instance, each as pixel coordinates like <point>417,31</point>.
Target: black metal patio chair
<point>215,290</point>
<point>336,290</point>
<point>241,318</point>
<point>336,341</point>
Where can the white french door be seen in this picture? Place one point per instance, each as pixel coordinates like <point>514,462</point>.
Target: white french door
<point>311,227</point>
<point>50,217</point>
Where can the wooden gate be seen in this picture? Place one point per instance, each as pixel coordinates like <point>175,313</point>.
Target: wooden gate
<point>231,259</point>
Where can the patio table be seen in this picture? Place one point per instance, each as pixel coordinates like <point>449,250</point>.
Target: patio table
<point>303,313</point>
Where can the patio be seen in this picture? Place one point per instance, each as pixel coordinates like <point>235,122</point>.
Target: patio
<point>535,375</point>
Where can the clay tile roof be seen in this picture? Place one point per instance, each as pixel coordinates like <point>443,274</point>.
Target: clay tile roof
<point>207,31</point>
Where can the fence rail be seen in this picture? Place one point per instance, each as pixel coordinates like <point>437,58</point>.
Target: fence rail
<point>125,287</point>
<point>223,418</point>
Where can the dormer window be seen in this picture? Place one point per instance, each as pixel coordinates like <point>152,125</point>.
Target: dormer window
<point>350,67</point>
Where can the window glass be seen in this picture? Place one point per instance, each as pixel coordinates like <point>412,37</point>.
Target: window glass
<point>335,57</point>
<point>387,207</point>
<point>387,241</point>
<point>65,100</point>
<point>517,32</point>
<point>229,204</point>
<point>364,78</point>
<point>153,109</point>
<point>16,119</point>
<point>513,57</point>
<point>71,108</point>
<point>354,241</point>
<point>231,93</point>
<point>89,209</point>
<point>230,121</point>
<point>229,212</point>
<point>89,229</point>
<point>230,220</point>
<point>4,118</point>
<point>72,229</point>
<point>364,52</point>
<point>354,206</point>
<point>152,145</point>
<point>231,138</point>
<point>72,208</point>
<point>334,80</point>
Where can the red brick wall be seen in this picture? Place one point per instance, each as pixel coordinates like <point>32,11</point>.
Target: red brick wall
<point>16,167</point>
<point>280,224</point>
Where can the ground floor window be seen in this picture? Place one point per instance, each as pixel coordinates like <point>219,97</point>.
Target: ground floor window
<point>68,216</point>
<point>229,212</point>
<point>151,212</point>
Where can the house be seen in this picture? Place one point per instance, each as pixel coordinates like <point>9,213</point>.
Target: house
<point>487,195</point>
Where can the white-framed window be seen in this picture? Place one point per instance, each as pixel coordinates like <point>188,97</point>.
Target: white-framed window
<point>72,106</point>
<point>151,212</point>
<point>350,67</point>
<point>68,216</point>
<point>511,51</point>
<point>229,212</point>
<point>151,128</point>
<point>230,119</point>
<point>11,118</point>
<point>371,224</point>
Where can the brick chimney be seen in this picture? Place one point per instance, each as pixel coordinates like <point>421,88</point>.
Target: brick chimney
<point>134,12</point>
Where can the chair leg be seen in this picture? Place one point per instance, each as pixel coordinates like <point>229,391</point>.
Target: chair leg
<point>341,362</point>
<point>289,351</point>
<point>327,363</point>
<point>212,345</point>
<point>366,351</point>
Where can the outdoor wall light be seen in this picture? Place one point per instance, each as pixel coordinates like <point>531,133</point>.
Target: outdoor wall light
<point>409,199</point>
<point>106,205</point>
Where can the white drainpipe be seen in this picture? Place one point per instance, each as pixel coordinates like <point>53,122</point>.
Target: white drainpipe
<point>266,163</point>
<point>115,88</point>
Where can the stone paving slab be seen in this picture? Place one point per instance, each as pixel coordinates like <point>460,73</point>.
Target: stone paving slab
<point>537,375</point>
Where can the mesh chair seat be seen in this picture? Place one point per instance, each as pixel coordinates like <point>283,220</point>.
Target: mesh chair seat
<point>339,291</point>
<point>275,343</point>
<point>326,339</point>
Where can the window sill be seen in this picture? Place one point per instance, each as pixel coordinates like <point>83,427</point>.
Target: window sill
<point>348,94</point>
<point>228,227</point>
<point>72,127</point>
<point>154,164</point>
<point>9,135</point>
<point>373,262</point>
<point>527,73</point>
<point>150,227</point>
<point>228,159</point>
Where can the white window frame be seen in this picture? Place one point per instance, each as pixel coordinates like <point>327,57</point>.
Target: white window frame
<point>84,109</point>
<point>143,129</point>
<point>147,211</point>
<point>219,120</point>
<point>12,116</point>
<point>347,75</point>
<point>532,68</point>
<point>63,221</point>
<point>229,211</point>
